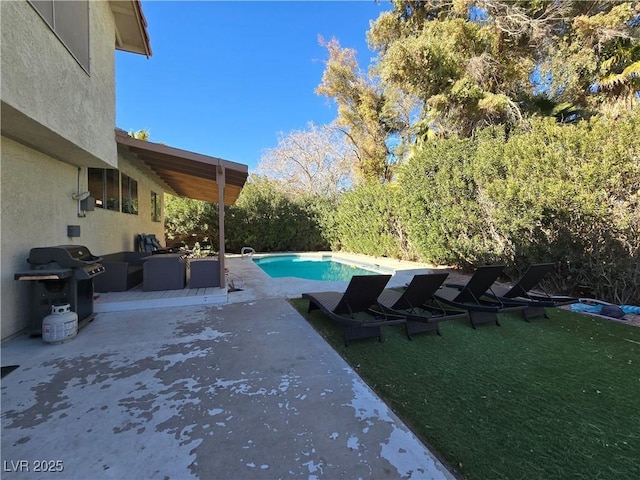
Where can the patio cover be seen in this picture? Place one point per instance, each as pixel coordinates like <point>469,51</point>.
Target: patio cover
<point>189,174</point>
<point>185,173</point>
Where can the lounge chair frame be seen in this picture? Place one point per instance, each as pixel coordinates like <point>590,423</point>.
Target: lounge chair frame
<point>520,292</point>
<point>352,308</point>
<point>472,296</point>
<point>417,304</point>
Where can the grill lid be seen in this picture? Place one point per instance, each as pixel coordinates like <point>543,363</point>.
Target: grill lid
<point>66,256</point>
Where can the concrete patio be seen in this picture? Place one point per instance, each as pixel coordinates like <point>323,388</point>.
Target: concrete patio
<point>253,284</point>
<point>240,390</point>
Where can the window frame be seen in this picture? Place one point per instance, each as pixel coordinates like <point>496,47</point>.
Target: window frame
<point>129,194</point>
<point>156,207</point>
<point>63,28</point>
<point>109,178</point>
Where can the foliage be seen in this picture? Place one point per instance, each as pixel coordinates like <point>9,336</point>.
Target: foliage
<point>548,192</point>
<point>317,160</point>
<point>140,134</point>
<point>475,63</point>
<point>366,221</point>
<point>566,194</point>
<point>363,114</point>
<point>263,218</point>
<point>268,220</point>
<point>190,221</point>
<point>441,212</point>
<point>457,67</point>
<point>322,212</point>
<point>601,49</point>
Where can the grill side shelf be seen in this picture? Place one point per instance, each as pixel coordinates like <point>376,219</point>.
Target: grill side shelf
<point>43,274</point>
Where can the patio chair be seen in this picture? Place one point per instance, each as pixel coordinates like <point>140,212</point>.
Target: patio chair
<point>417,304</point>
<point>472,296</point>
<point>352,308</point>
<point>536,301</point>
<point>149,243</point>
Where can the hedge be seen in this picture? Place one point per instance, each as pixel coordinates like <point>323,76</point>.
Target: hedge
<point>560,193</point>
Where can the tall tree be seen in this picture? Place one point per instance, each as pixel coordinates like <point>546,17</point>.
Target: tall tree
<point>362,112</point>
<point>609,38</point>
<point>480,62</point>
<point>316,161</point>
<point>456,64</point>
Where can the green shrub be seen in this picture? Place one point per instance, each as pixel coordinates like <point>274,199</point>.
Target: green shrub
<point>321,213</point>
<point>367,221</point>
<point>263,218</point>
<point>269,221</point>
<point>444,219</point>
<point>568,194</point>
<point>190,221</point>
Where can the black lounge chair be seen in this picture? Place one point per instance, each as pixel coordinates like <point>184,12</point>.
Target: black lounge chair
<point>417,304</point>
<point>472,296</point>
<point>536,301</point>
<point>352,309</point>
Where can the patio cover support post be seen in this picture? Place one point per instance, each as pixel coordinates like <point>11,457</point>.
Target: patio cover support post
<point>220,179</point>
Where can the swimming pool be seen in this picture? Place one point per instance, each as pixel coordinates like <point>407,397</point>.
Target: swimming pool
<point>324,268</point>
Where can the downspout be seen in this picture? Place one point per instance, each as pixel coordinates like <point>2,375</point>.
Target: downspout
<point>78,193</point>
<point>220,179</point>
<point>79,196</point>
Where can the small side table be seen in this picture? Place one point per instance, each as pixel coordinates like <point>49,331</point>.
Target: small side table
<point>203,272</point>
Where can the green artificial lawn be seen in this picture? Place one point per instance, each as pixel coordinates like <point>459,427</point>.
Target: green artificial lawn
<point>556,398</point>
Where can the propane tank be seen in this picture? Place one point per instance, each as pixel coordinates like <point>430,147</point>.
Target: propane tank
<point>60,325</point>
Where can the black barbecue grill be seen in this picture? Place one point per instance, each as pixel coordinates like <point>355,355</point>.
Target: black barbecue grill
<point>61,275</point>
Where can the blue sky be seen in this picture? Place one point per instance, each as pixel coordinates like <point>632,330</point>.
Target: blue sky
<point>226,78</point>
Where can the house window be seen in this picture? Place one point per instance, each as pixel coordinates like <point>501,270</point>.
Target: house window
<point>104,185</point>
<point>69,20</point>
<point>156,209</point>
<point>129,195</point>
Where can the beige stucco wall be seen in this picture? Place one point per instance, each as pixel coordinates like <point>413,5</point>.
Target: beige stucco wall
<point>41,80</point>
<point>57,119</point>
<point>35,208</point>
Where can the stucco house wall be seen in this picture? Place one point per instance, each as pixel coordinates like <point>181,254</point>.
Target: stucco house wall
<point>57,120</point>
<point>35,212</point>
<point>66,110</point>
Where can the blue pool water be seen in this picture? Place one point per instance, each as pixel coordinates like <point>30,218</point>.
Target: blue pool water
<point>309,268</point>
